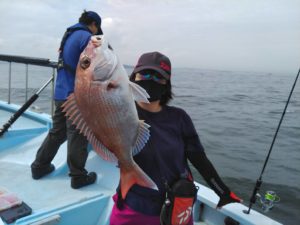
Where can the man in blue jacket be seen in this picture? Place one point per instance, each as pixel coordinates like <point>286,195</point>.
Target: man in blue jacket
<point>73,43</point>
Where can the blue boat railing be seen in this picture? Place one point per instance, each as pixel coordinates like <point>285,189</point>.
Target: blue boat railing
<point>42,62</point>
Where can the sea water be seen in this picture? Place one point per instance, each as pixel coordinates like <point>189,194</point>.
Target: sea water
<point>236,114</point>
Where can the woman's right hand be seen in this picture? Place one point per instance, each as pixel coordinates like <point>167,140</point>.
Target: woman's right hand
<point>228,198</point>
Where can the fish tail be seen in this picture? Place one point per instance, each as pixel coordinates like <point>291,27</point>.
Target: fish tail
<point>135,176</point>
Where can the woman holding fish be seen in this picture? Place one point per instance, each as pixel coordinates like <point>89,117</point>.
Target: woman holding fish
<point>173,141</point>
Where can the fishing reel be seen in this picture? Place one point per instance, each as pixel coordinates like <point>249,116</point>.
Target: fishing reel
<point>267,201</point>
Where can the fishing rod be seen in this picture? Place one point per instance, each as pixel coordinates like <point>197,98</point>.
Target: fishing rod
<point>17,114</point>
<point>259,180</point>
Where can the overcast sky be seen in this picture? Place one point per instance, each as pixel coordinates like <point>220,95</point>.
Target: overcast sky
<point>248,35</point>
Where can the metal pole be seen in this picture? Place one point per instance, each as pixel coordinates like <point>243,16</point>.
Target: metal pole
<point>9,83</point>
<point>26,84</point>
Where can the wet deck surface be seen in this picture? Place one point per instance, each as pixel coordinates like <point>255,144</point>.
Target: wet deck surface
<point>54,190</point>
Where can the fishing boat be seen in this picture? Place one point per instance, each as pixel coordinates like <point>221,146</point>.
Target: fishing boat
<point>51,198</point>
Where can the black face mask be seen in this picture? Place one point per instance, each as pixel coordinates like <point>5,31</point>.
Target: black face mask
<point>154,89</point>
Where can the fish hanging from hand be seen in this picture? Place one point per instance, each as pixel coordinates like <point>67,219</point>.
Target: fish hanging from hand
<point>102,107</point>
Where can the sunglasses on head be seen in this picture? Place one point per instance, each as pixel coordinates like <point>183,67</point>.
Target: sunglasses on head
<point>152,75</point>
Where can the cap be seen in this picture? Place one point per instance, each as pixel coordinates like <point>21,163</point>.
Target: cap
<point>155,61</point>
<point>97,19</point>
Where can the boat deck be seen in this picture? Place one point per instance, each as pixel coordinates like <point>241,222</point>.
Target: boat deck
<point>52,194</point>
<point>51,191</point>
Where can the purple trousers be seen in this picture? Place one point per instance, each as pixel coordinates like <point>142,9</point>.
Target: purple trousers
<point>128,216</point>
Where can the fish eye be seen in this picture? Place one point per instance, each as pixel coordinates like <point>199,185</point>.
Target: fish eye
<point>85,62</point>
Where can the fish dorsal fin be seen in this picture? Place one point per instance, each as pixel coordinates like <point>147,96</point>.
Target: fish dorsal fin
<point>139,93</point>
<point>72,112</point>
<point>142,138</point>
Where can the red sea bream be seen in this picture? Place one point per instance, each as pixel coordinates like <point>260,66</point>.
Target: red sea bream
<point>102,107</point>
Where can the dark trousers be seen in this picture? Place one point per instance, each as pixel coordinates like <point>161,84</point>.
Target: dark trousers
<point>61,131</point>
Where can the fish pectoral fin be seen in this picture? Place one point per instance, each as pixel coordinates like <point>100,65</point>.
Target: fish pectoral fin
<point>139,93</point>
<point>142,137</point>
<point>135,176</point>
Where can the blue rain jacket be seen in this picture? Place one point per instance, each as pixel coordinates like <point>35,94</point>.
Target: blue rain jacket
<point>74,45</point>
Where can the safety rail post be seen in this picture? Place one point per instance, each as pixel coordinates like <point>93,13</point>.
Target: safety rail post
<point>9,83</point>
<point>26,83</point>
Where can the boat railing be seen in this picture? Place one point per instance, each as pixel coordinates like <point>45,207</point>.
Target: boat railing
<point>28,61</point>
